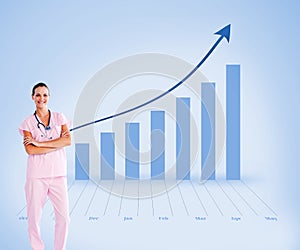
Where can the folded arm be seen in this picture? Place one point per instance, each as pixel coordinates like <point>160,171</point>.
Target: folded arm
<point>34,147</point>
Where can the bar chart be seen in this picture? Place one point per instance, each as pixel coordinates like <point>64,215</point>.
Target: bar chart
<point>183,137</point>
<point>160,148</point>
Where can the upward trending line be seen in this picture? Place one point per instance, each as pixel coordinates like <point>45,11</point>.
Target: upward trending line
<point>224,32</point>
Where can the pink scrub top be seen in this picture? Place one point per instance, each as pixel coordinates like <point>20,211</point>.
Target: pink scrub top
<point>52,164</point>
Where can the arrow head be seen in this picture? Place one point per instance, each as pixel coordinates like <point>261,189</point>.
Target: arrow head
<point>225,32</point>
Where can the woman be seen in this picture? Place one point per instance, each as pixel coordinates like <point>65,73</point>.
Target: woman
<point>45,135</point>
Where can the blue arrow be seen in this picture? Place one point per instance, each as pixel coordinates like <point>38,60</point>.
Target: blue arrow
<point>224,32</point>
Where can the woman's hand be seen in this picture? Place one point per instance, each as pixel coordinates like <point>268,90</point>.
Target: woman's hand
<point>29,140</point>
<point>66,133</point>
<point>32,147</point>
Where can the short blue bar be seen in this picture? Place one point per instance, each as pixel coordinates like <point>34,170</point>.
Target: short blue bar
<point>208,163</point>
<point>132,150</point>
<point>82,162</point>
<point>158,145</point>
<point>107,157</point>
<point>183,138</point>
<point>233,122</point>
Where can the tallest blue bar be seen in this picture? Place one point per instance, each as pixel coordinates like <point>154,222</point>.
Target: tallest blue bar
<point>233,122</point>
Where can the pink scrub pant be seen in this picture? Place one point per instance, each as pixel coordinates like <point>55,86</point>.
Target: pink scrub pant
<point>37,191</point>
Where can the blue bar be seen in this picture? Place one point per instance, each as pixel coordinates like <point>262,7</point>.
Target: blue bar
<point>158,145</point>
<point>183,138</point>
<point>82,161</point>
<point>208,131</point>
<point>233,122</point>
<point>132,150</point>
<point>107,158</point>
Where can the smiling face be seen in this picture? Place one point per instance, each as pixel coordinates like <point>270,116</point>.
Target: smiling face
<point>41,97</point>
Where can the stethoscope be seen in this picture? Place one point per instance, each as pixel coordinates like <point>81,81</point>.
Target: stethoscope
<point>46,128</point>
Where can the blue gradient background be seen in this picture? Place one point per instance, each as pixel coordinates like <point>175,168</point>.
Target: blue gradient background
<point>65,43</point>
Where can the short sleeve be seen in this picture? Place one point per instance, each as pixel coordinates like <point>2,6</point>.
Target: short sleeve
<point>24,126</point>
<point>62,120</point>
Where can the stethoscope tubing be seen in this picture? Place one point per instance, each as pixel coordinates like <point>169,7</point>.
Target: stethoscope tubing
<point>46,128</point>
